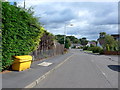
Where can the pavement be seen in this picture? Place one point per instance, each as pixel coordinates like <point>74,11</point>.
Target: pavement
<point>30,77</point>
<point>78,69</point>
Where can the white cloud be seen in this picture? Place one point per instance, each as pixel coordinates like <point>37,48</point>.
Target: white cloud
<point>89,18</point>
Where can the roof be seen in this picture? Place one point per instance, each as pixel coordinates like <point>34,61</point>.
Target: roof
<point>92,43</point>
<point>115,35</point>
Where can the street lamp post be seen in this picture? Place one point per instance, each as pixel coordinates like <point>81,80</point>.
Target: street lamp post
<point>24,4</point>
<point>65,32</point>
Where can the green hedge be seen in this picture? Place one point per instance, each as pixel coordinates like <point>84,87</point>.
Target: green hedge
<point>94,49</point>
<point>21,33</point>
<point>90,48</point>
<point>85,48</point>
<point>97,50</point>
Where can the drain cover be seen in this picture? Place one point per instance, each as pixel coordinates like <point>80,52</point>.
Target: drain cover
<point>45,64</point>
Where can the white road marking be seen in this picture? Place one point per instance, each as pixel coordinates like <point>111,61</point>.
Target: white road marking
<point>45,64</point>
<point>104,74</point>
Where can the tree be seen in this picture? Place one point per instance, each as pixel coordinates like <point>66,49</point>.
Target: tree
<point>109,43</point>
<point>102,34</point>
<point>67,43</point>
<point>60,39</point>
<point>47,41</point>
<point>83,41</point>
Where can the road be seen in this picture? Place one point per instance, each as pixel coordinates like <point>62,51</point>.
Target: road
<point>83,70</point>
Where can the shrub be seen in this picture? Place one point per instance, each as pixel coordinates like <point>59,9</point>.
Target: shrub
<point>21,33</point>
<point>73,47</point>
<point>85,48</point>
<point>97,50</point>
<point>80,47</point>
<point>90,48</point>
<point>91,45</point>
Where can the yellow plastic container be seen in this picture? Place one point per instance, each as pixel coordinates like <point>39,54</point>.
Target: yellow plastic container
<point>22,62</point>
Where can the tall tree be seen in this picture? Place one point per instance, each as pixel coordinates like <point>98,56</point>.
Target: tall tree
<point>60,39</point>
<point>108,42</point>
<point>102,34</point>
<point>83,41</point>
<point>67,43</point>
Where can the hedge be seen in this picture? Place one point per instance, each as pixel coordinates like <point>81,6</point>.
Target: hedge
<point>21,33</point>
<point>85,47</point>
<point>97,50</point>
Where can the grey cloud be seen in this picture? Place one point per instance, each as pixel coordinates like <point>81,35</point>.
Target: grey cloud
<point>111,18</point>
<point>64,16</point>
<point>100,17</point>
<point>92,32</point>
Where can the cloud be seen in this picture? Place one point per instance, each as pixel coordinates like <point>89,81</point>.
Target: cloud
<point>89,18</point>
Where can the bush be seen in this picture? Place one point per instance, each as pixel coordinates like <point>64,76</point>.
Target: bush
<point>85,48</point>
<point>21,33</point>
<point>80,47</point>
<point>97,50</point>
<point>74,47</point>
<point>90,48</point>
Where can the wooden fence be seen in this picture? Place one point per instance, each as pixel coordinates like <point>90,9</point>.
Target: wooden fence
<point>42,53</point>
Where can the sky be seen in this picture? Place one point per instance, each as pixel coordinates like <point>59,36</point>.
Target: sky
<point>88,19</point>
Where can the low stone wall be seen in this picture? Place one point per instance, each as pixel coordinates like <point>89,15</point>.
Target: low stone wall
<point>111,52</point>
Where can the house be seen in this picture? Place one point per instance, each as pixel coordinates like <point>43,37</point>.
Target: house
<point>100,42</point>
<point>116,36</point>
<point>91,43</point>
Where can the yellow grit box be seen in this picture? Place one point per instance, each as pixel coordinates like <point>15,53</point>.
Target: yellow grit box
<point>22,62</point>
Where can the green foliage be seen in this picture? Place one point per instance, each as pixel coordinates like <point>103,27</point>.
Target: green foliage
<point>117,46</point>
<point>90,48</point>
<point>73,39</point>
<point>97,50</point>
<point>102,33</point>
<point>110,44</point>
<point>85,48</point>
<point>60,39</point>
<point>47,41</point>
<point>67,43</point>
<point>94,49</point>
<point>21,33</point>
<point>83,41</point>
<point>74,47</point>
<point>91,45</point>
<point>107,47</point>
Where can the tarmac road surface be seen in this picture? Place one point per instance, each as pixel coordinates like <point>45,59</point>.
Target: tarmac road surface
<point>83,70</point>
